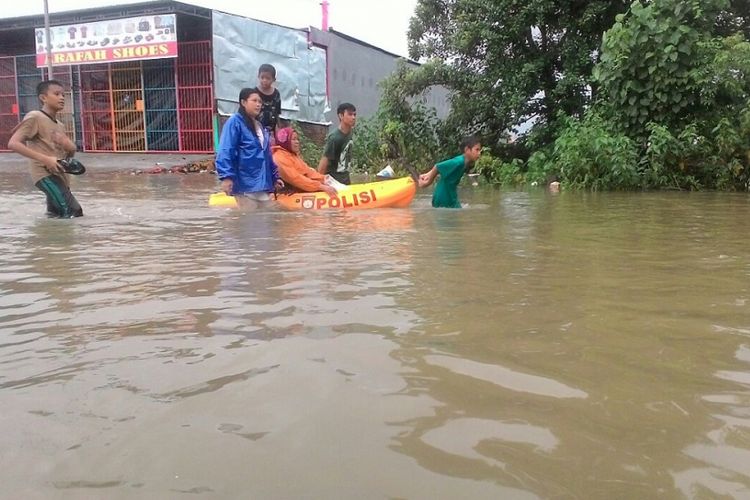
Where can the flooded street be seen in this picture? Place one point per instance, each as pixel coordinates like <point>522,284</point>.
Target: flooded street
<point>530,346</point>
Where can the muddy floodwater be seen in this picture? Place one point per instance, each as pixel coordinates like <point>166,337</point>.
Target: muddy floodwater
<point>531,345</point>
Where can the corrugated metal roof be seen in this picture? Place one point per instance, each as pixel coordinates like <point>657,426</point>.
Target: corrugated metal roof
<point>101,13</point>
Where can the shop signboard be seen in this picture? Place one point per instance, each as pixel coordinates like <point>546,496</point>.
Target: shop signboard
<point>116,40</point>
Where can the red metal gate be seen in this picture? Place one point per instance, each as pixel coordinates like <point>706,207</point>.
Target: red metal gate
<point>127,102</point>
<point>160,105</point>
<point>97,115</point>
<point>153,105</point>
<point>19,77</point>
<point>8,99</point>
<point>195,97</point>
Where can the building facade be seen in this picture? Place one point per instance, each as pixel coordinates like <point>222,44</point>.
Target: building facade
<point>355,68</point>
<point>163,75</point>
<point>132,104</point>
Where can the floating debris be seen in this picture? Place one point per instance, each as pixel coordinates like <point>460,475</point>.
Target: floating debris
<point>194,167</point>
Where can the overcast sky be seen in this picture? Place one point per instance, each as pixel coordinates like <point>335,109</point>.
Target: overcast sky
<point>382,23</point>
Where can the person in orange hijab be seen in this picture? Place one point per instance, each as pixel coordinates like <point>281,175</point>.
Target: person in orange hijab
<point>292,168</point>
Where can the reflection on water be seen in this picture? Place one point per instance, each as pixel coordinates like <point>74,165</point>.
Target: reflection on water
<point>723,455</point>
<point>462,436</point>
<point>530,346</point>
<point>506,378</point>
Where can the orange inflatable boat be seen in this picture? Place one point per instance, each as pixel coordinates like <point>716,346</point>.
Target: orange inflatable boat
<point>394,193</point>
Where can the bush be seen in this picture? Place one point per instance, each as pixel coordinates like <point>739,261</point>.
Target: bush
<point>691,159</point>
<point>586,155</point>
<point>408,144</point>
<point>589,155</point>
<point>541,167</point>
<point>666,159</point>
<point>655,64</point>
<point>498,172</point>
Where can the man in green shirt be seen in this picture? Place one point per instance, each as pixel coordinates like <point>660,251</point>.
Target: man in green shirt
<point>337,157</point>
<point>451,171</point>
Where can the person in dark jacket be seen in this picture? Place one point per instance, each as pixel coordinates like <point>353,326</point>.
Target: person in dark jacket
<point>244,163</point>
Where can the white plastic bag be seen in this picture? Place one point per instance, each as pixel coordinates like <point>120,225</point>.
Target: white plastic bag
<point>387,172</point>
<point>330,181</point>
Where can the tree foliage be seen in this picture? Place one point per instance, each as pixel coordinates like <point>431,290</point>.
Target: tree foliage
<point>656,63</point>
<point>734,20</point>
<point>654,95</point>
<point>675,85</point>
<point>404,132</point>
<point>309,150</point>
<point>673,111</point>
<point>509,61</point>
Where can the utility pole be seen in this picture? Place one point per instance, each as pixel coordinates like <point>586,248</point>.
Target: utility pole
<point>48,40</point>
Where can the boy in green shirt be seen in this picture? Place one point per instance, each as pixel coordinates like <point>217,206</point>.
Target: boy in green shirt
<point>451,171</point>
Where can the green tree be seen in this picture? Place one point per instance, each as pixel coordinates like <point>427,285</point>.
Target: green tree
<point>735,19</point>
<point>655,95</point>
<point>508,61</point>
<point>404,132</point>
<point>676,86</point>
<point>656,63</point>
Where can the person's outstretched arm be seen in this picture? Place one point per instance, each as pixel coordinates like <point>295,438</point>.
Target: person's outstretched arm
<point>329,155</point>
<point>323,165</point>
<point>295,177</point>
<point>278,182</point>
<point>428,177</point>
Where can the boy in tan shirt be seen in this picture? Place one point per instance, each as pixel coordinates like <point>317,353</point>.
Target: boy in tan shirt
<point>41,138</point>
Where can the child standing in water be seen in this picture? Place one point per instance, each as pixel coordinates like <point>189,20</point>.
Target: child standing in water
<point>271,110</point>
<point>41,138</point>
<point>243,162</point>
<point>451,171</point>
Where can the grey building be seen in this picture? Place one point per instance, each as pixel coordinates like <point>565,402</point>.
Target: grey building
<point>354,70</point>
